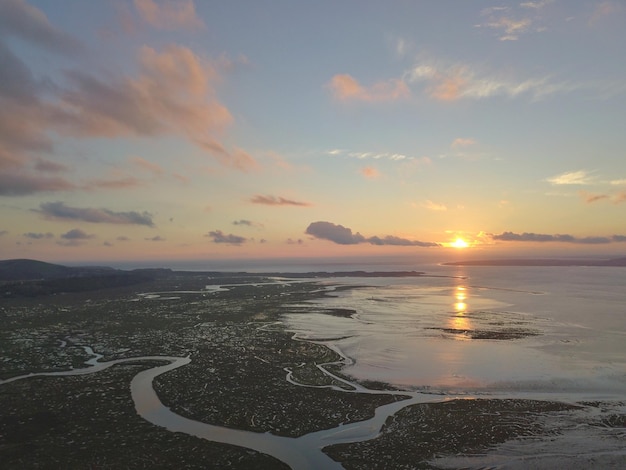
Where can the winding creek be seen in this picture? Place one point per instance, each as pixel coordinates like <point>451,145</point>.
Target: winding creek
<point>304,452</point>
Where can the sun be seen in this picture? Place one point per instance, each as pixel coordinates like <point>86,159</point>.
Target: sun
<point>459,243</point>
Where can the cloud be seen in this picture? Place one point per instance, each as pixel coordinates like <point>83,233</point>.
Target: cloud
<point>19,19</point>
<point>76,234</point>
<point>536,5</point>
<point>580,177</point>
<point>344,236</point>
<point>3,233</point>
<point>370,172</point>
<point>49,166</point>
<point>219,237</point>
<point>156,238</point>
<point>604,10</point>
<point>590,198</point>
<point>615,198</point>
<point>122,238</point>
<point>116,183</point>
<point>169,14</point>
<point>621,182</point>
<point>291,241</point>
<point>277,201</point>
<point>346,88</point>
<point>147,165</point>
<point>237,158</point>
<point>544,238</point>
<point>450,82</point>
<point>247,223</point>
<point>58,210</point>
<point>511,27</point>
<point>433,206</point>
<point>370,155</point>
<point>38,236</point>
<point>335,233</point>
<point>460,142</point>
<point>20,184</point>
<point>173,93</point>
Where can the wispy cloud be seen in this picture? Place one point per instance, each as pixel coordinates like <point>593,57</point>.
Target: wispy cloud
<point>511,22</point>
<point>535,5</point>
<point>590,197</point>
<point>38,235</point>
<point>604,10</point>
<point>236,158</point>
<point>580,177</point>
<point>450,82</point>
<point>433,206</point>
<point>370,155</point>
<point>220,237</point>
<point>147,165</point>
<point>616,198</point>
<point>169,14</point>
<point>344,236</point>
<point>561,238</point>
<point>48,166</point>
<point>19,184</point>
<point>344,87</point>
<point>58,210</point>
<point>156,238</point>
<point>509,28</point>
<point>277,201</point>
<point>247,223</point>
<point>461,142</point>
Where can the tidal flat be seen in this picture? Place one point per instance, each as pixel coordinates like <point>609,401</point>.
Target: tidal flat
<point>246,370</point>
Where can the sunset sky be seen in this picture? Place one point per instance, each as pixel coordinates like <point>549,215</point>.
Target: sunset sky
<point>163,130</point>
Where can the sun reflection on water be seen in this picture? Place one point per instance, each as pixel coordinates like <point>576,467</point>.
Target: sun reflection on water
<point>460,322</point>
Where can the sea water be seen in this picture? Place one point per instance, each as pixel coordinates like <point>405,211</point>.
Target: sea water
<point>489,328</point>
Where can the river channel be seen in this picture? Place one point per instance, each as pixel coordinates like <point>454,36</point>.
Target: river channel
<point>304,452</point>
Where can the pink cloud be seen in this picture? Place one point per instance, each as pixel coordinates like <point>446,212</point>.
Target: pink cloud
<point>346,88</point>
<point>173,94</point>
<point>237,158</point>
<point>590,198</point>
<point>370,172</point>
<point>604,10</point>
<point>448,88</point>
<point>169,14</point>
<point>147,165</point>
<point>619,197</point>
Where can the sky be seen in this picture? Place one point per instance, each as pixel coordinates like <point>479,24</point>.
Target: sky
<point>173,129</point>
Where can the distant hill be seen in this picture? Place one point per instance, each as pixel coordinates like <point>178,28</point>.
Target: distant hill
<point>31,278</point>
<point>619,262</point>
<point>30,270</point>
